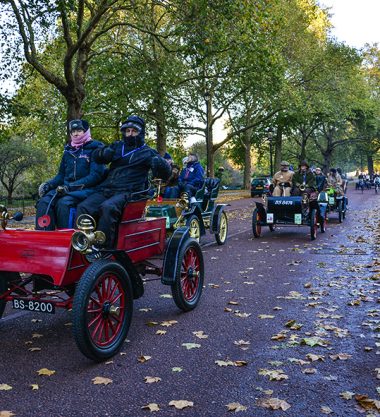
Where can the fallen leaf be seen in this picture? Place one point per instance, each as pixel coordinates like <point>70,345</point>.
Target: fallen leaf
<point>265,316</point>
<point>34,349</point>
<point>273,374</point>
<point>314,358</point>
<point>341,356</point>
<point>152,323</point>
<point>347,395</point>
<point>166,296</point>
<point>152,379</point>
<point>143,359</point>
<point>314,341</point>
<point>241,343</point>
<point>176,369</point>
<point>37,335</point>
<point>326,410</point>
<point>36,320</point>
<point>45,371</point>
<point>200,335</point>
<point>151,407</point>
<point>99,380</point>
<point>145,310</point>
<point>309,371</point>
<point>6,413</point>
<point>161,332</point>
<point>189,346</point>
<point>234,303</point>
<point>5,387</point>
<point>242,315</point>
<point>34,387</point>
<point>274,404</point>
<point>225,363</point>
<point>180,404</point>
<point>236,407</point>
<point>168,323</point>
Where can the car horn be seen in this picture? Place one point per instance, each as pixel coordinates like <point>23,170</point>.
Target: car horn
<point>4,216</point>
<point>86,236</point>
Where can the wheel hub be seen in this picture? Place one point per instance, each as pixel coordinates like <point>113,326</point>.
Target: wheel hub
<point>106,309</point>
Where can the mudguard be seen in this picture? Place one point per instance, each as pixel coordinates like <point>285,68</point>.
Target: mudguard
<point>261,210</point>
<point>197,211</point>
<point>179,236</point>
<point>215,218</point>
<point>136,281</point>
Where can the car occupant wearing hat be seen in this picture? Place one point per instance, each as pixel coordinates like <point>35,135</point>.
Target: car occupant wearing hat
<point>303,181</point>
<point>282,180</point>
<point>130,161</point>
<point>320,179</point>
<point>78,174</point>
<point>335,181</point>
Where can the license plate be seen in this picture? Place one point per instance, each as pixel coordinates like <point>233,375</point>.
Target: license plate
<point>259,188</point>
<point>298,218</point>
<point>167,222</point>
<point>33,305</point>
<point>269,217</point>
<point>331,200</point>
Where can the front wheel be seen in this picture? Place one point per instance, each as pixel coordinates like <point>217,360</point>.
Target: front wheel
<point>5,279</point>
<point>313,224</point>
<point>221,236</point>
<point>256,227</point>
<point>102,309</point>
<point>340,211</point>
<point>194,227</point>
<point>189,276</point>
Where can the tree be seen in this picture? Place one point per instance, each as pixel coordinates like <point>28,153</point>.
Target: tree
<point>16,158</point>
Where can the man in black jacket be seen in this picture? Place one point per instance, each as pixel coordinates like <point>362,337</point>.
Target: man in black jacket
<point>130,161</point>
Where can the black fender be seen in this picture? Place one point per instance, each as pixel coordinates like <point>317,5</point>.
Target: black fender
<point>174,245</point>
<point>215,217</point>
<point>197,211</point>
<point>261,209</point>
<point>136,281</point>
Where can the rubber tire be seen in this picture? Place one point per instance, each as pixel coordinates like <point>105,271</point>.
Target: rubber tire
<point>313,228</point>
<point>340,211</point>
<point>272,227</point>
<point>256,229</point>
<point>220,240</point>
<point>83,291</point>
<point>5,277</point>
<point>323,224</point>
<point>193,219</point>
<point>177,290</point>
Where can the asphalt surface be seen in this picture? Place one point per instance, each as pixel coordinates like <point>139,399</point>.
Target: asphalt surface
<point>265,302</point>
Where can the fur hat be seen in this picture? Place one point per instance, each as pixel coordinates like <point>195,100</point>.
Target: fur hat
<point>134,122</point>
<point>78,124</point>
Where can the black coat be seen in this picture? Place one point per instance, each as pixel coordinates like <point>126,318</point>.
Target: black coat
<point>78,170</point>
<point>130,166</point>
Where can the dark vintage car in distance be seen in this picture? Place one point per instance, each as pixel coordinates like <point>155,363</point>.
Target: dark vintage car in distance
<point>260,186</point>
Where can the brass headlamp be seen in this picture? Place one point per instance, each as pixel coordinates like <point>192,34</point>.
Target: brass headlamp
<point>302,187</point>
<point>86,236</point>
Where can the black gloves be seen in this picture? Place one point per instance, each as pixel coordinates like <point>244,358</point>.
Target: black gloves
<point>103,155</point>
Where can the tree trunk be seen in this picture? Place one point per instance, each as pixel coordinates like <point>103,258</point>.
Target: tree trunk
<point>370,165</point>
<point>247,159</point>
<point>10,197</point>
<point>74,109</point>
<point>278,148</point>
<point>161,130</point>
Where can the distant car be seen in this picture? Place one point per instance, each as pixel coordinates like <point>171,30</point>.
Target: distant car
<point>260,186</point>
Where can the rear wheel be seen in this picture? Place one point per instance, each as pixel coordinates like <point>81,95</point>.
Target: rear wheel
<point>189,276</point>
<point>256,227</point>
<point>194,228</point>
<point>313,224</point>
<point>221,236</point>
<point>102,309</point>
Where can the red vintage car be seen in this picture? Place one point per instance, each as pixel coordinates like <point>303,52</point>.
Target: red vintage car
<point>44,270</point>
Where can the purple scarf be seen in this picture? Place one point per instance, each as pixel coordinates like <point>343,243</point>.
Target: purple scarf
<point>78,141</point>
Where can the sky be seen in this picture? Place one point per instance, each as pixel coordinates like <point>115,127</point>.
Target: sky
<point>356,22</point>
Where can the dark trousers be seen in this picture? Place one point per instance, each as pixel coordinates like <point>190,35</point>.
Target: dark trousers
<point>107,211</point>
<point>184,188</point>
<point>58,208</point>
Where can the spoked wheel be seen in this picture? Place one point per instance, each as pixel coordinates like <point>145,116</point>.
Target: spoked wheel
<point>189,276</point>
<point>221,236</point>
<point>194,228</point>
<point>102,309</point>
<point>5,279</point>
<point>322,222</point>
<point>340,211</point>
<point>256,227</point>
<point>313,224</point>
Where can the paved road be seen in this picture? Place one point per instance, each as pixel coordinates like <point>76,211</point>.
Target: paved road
<point>265,302</point>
